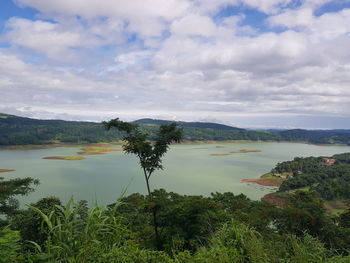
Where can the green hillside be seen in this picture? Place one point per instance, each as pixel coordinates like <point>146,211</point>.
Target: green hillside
<point>16,130</point>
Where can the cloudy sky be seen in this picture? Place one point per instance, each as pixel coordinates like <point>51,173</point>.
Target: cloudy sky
<point>248,63</point>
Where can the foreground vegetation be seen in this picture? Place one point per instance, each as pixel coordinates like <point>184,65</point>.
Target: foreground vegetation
<point>24,131</point>
<point>220,228</point>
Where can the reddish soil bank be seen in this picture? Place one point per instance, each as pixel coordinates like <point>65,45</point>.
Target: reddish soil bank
<point>274,200</point>
<point>261,181</point>
<point>6,170</point>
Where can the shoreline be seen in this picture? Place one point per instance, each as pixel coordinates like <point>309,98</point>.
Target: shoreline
<point>261,181</point>
<point>57,145</point>
<point>110,144</point>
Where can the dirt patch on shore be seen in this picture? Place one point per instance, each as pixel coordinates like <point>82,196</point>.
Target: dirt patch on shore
<point>263,181</point>
<point>6,170</point>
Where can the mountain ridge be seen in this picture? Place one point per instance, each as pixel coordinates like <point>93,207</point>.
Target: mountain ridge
<point>15,130</point>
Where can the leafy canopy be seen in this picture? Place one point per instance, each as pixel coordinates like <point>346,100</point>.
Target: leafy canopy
<point>150,153</point>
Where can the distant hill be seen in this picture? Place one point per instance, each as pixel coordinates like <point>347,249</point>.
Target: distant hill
<point>15,130</point>
<point>201,125</point>
<point>316,136</point>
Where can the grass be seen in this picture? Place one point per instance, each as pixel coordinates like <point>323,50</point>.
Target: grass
<point>335,207</point>
<point>304,189</point>
<point>68,158</point>
<point>267,175</point>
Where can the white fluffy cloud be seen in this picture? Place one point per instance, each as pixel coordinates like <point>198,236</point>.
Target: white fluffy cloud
<point>52,39</point>
<point>178,57</point>
<point>146,17</point>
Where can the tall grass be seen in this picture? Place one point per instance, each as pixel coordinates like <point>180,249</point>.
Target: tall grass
<point>72,238</point>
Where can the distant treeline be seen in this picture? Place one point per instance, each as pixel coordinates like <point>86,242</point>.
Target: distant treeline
<point>16,130</point>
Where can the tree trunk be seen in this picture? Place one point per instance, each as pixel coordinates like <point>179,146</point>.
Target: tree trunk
<point>154,213</point>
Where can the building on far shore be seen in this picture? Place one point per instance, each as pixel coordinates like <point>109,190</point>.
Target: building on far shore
<point>329,161</point>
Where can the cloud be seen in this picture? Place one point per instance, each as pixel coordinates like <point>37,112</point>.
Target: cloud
<point>189,59</point>
<point>146,17</point>
<point>267,6</point>
<point>193,25</point>
<point>52,39</point>
<point>327,26</point>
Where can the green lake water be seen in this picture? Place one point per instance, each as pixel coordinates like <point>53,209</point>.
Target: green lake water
<point>188,169</point>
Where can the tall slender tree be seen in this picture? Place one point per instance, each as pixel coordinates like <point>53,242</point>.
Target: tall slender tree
<point>150,153</point>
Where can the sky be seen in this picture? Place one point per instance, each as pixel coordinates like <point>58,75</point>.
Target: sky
<point>246,63</point>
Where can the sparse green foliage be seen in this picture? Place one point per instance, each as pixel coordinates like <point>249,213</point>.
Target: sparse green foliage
<point>149,153</point>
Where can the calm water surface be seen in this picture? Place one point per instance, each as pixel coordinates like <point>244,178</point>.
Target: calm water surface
<point>189,169</point>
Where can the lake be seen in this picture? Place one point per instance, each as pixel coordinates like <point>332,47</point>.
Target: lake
<point>188,169</point>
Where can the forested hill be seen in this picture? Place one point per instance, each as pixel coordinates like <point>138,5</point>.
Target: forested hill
<point>201,125</point>
<point>328,176</point>
<point>16,130</point>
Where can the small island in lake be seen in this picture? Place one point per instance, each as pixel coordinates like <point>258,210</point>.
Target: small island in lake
<point>6,170</point>
<point>247,151</point>
<point>220,154</point>
<point>96,150</point>
<point>68,158</point>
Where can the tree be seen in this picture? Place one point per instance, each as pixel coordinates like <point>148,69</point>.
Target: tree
<point>10,188</point>
<point>149,153</point>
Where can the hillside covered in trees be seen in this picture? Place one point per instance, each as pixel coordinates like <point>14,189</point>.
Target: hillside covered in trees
<point>16,130</point>
<point>327,176</point>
